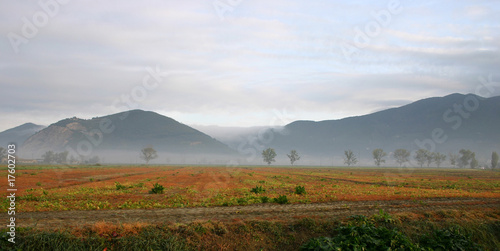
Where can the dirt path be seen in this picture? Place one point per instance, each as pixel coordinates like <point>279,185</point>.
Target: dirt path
<point>61,219</point>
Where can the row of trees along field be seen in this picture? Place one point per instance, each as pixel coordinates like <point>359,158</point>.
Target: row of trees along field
<point>269,156</point>
<point>51,157</point>
<point>465,158</point>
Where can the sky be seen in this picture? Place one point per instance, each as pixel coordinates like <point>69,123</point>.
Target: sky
<point>240,62</point>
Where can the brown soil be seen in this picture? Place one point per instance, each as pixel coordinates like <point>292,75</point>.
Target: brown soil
<point>64,219</point>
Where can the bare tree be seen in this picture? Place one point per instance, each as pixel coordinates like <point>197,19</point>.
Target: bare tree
<point>148,154</point>
<point>378,156</point>
<point>350,158</point>
<point>402,156</point>
<point>293,156</point>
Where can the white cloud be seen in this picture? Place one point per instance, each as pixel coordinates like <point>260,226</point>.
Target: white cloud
<point>263,56</point>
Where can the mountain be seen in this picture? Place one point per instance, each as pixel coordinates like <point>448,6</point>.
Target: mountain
<point>127,132</point>
<point>18,134</point>
<point>442,124</point>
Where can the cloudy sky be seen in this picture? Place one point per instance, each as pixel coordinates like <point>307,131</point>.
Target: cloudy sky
<point>239,63</point>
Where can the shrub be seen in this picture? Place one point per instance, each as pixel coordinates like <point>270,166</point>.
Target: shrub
<point>265,199</point>
<point>120,186</point>
<point>242,201</point>
<point>257,189</point>
<point>157,188</point>
<point>282,199</point>
<point>364,237</point>
<point>448,239</point>
<point>139,185</point>
<point>300,190</point>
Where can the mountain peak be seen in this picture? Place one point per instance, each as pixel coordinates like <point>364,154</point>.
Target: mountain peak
<point>125,131</point>
<point>19,134</point>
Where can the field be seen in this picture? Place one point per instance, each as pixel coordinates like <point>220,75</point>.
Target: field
<point>63,197</point>
<point>96,188</point>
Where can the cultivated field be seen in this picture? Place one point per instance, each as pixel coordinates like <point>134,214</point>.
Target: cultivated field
<point>126,187</point>
<point>62,197</point>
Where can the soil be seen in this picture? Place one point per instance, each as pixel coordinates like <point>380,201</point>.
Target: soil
<point>269,211</point>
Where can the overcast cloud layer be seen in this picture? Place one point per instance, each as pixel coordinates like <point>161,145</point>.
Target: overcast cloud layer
<point>239,63</point>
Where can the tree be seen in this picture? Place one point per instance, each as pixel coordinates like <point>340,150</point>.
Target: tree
<point>453,159</point>
<point>402,156</point>
<point>378,156</point>
<point>465,159</point>
<point>61,157</point>
<point>3,154</point>
<point>439,158</point>
<point>148,154</point>
<point>429,158</point>
<point>268,155</point>
<point>422,156</point>
<point>350,158</point>
<point>494,159</point>
<point>48,157</point>
<point>293,156</point>
<point>473,162</point>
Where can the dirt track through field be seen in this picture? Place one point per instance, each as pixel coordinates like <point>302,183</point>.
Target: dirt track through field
<point>62,219</point>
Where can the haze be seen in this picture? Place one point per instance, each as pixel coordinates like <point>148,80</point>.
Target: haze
<point>257,63</point>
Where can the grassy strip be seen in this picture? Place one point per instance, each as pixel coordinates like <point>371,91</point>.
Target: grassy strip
<point>430,228</point>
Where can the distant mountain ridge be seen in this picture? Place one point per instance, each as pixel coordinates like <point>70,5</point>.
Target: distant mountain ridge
<point>445,124</point>
<point>402,127</point>
<point>19,134</point>
<point>126,131</point>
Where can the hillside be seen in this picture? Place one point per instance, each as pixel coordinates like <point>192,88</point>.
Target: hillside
<point>19,134</point>
<point>127,131</point>
<point>401,127</point>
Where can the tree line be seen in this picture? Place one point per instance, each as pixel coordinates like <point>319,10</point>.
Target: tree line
<point>465,158</point>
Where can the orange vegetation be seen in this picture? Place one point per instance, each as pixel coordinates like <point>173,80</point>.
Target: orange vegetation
<point>95,188</point>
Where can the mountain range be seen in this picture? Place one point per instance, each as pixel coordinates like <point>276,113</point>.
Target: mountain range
<point>126,132</point>
<point>441,124</point>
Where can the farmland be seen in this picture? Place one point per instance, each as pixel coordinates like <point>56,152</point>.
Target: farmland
<point>128,187</point>
<point>119,200</point>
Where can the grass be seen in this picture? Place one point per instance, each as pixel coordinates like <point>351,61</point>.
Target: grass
<point>469,230</point>
<point>57,188</point>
